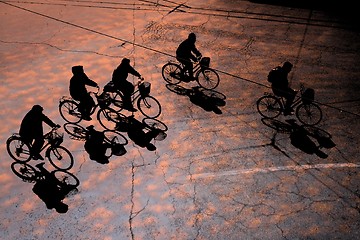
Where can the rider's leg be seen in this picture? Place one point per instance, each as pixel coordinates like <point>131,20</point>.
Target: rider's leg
<point>290,96</point>
<point>188,66</point>
<point>87,103</point>
<point>37,145</point>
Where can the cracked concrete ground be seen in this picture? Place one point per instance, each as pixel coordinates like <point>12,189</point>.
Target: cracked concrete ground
<point>217,175</point>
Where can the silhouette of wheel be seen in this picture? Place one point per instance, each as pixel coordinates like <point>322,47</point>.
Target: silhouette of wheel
<point>269,106</point>
<point>208,78</point>
<point>171,73</point>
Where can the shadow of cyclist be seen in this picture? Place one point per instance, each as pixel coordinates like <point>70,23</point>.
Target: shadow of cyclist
<point>95,145</point>
<point>138,132</point>
<point>51,193</point>
<point>302,136</point>
<point>209,100</point>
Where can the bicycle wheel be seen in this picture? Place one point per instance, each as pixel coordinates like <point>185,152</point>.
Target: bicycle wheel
<point>114,137</point>
<point>171,73</point>
<point>24,171</point>
<point>269,106</point>
<point>69,111</point>
<point>154,124</point>
<point>66,178</point>
<point>108,118</point>
<point>75,131</point>
<point>18,149</point>
<point>208,78</point>
<point>309,114</point>
<point>149,106</point>
<point>60,157</point>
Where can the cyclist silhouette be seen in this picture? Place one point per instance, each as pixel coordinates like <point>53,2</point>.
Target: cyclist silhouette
<point>78,91</point>
<point>50,193</point>
<point>31,129</point>
<point>119,78</point>
<point>95,146</point>
<point>185,53</point>
<point>280,86</point>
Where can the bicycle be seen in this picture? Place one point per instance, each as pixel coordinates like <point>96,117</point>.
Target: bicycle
<point>308,113</point>
<point>58,156</point>
<point>66,181</point>
<point>206,77</point>
<point>148,105</point>
<point>114,139</point>
<point>69,108</point>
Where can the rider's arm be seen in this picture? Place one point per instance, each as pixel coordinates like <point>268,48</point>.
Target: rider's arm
<point>49,122</point>
<point>134,72</point>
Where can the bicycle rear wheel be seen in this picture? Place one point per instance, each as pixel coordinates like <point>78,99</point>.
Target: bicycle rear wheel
<point>108,118</point>
<point>66,178</point>
<point>60,157</point>
<point>18,149</point>
<point>24,171</point>
<point>208,78</point>
<point>309,114</point>
<point>75,131</point>
<point>69,111</point>
<point>171,73</point>
<point>154,124</point>
<point>269,106</point>
<point>149,106</point>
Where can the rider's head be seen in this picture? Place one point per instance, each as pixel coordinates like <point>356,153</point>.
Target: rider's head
<point>192,37</point>
<point>287,66</point>
<point>125,61</point>
<point>77,70</point>
<point>37,108</point>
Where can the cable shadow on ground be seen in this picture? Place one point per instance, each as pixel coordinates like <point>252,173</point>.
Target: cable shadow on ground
<point>209,100</point>
<point>309,139</point>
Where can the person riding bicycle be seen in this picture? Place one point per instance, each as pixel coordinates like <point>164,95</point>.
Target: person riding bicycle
<point>31,129</point>
<point>78,91</point>
<point>185,53</point>
<point>280,86</point>
<point>95,145</point>
<point>119,78</point>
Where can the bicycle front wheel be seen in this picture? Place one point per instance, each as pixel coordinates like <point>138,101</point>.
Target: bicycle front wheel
<point>171,73</point>
<point>108,118</point>
<point>149,106</point>
<point>114,137</point>
<point>69,111</point>
<point>24,171</point>
<point>18,149</point>
<point>208,78</point>
<point>309,114</point>
<point>66,179</point>
<point>75,131</point>
<point>269,106</point>
<point>60,157</point>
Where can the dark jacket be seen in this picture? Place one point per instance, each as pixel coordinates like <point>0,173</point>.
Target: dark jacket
<point>186,50</point>
<point>281,81</point>
<point>31,125</point>
<point>121,73</point>
<point>78,81</point>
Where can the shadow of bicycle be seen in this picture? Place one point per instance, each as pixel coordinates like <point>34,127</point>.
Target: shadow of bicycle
<point>309,139</point>
<point>209,100</point>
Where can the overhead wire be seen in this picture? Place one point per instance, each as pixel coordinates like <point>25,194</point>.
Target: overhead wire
<point>150,49</point>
